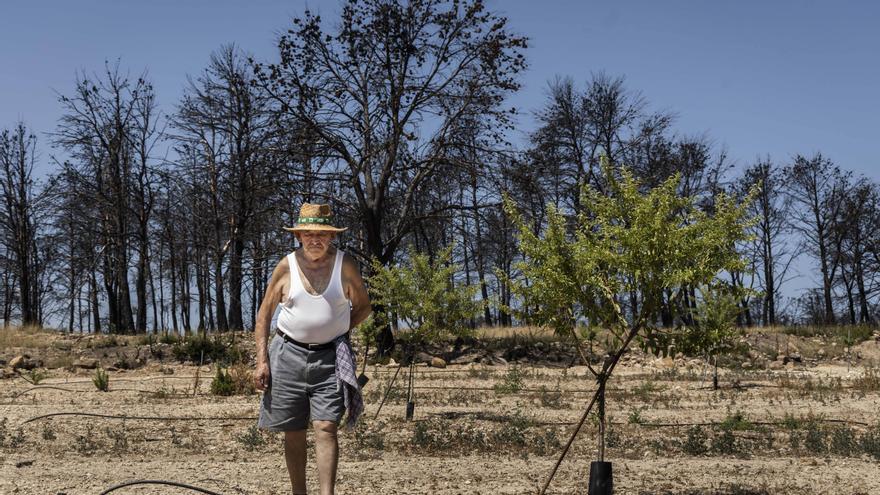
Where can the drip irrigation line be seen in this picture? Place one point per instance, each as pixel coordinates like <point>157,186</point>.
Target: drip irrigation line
<point>42,387</point>
<point>50,387</point>
<point>145,418</point>
<point>486,389</point>
<point>758,423</point>
<point>159,482</point>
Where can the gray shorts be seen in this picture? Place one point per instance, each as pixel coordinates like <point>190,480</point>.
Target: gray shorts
<point>302,386</point>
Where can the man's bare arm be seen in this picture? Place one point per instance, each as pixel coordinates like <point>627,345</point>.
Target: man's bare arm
<point>356,291</point>
<point>271,300</point>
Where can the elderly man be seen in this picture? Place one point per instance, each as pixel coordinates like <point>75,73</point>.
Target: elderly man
<point>307,372</point>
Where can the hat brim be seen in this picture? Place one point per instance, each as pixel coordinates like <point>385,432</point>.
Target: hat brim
<point>312,226</point>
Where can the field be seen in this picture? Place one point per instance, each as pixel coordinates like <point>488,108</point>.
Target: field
<point>807,427</point>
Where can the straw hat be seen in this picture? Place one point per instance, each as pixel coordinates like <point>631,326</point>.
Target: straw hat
<point>314,217</point>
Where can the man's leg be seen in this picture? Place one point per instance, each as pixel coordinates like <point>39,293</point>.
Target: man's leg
<point>295,455</point>
<point>327,453</point>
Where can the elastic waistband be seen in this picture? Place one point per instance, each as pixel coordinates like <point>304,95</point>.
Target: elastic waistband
<point>311,347</point>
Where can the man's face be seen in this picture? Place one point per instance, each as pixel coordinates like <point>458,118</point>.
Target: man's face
<point>315,242</point>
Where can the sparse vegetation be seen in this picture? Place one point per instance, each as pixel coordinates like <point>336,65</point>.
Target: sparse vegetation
<point>201,348</point>
<point>222,384</point>
<point>101,379</point>
<point>511,382</point>
<point>251,439</point>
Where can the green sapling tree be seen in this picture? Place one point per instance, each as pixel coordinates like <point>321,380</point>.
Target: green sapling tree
<point>422,295</point>
<point>624,240</point>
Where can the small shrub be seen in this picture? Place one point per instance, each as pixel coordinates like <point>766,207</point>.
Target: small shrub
<point>870,443</point>
<point>119,438</point>
<point>814,438</point>
<point>789,421</point>
<point>513,432</point>
<point>725,443</point>
<point>169,338</point>
<point>695,442</point>
<point>101,380</point>
<point>35,376</point>
<point>202,348</point>
<point>511,383</point>
<point>17,438</point>
<point>736,422</point>
<point>370,436</point>
<point>794,441</point>
<point>644,391</point>
<point>48,432</point>
<point>162,394</point>
<point>547,442</point>
<point>86,442</point>
<point>843,441</point>
<point>242,379</point>
<point>869,381</point>
<point>251,438</point>
<point>222,384</point>
<point>551,398</point>
<point>635,416</point>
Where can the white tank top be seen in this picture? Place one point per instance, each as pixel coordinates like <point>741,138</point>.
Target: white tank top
<point>315,319</point>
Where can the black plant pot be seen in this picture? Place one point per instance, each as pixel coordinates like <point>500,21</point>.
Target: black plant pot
<point>601,480</point>
<point>410,409</point>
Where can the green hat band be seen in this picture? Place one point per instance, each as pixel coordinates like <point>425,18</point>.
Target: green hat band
<point>323,220</point>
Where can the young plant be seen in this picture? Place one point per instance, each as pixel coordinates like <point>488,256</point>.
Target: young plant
<point>222,384</point>
<point>625,240</point>
<point>101,379</point>
<point>421,293</point>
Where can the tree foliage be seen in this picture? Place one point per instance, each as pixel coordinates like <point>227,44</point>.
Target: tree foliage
<point>421,293</point>
<point>626,240</point>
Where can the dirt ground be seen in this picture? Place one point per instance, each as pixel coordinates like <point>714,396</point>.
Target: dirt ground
<point>808,428</point>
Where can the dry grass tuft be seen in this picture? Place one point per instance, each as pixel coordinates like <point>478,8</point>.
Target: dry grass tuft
<point>30,337</point>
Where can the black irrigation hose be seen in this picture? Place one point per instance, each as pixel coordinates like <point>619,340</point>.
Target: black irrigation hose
<point>758,423</point>
<point>41,387</point>
<point>146,418</point>
<point>50,387</point>
<point>159,482</point>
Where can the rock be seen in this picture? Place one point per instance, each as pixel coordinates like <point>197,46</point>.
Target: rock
<point>746,365</point>
<point>391,363</point>
<point>794,358</point>
<point>777,365</point>
<point>469,358</point>
<point>24,362</point>
<point>111,368</point>
<point>422,357</point>
<point>86,364</point>
<point>437,362</point>
<point>820,353</point>
<point>493,359</point>
<point>789,365</point>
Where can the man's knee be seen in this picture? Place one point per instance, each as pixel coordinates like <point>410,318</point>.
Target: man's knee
<point>325,429</point>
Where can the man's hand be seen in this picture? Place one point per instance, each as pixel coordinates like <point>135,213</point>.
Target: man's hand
<point>262,376</point>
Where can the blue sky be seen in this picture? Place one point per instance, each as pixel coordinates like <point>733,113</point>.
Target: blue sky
<point>776,78</point>
<point>757,77</point>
